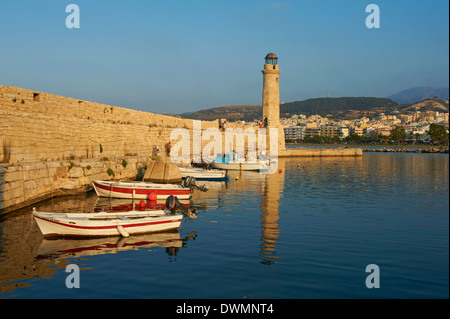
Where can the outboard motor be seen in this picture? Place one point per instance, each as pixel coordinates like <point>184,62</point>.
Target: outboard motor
<point>192,183</point>
<point>174,205</point>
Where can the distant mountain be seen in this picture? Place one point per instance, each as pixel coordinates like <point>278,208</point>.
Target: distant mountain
<point>425,105</point>
<point>419,94</point>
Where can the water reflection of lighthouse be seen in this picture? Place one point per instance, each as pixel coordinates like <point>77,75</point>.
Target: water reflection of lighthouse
<point>273,189</point>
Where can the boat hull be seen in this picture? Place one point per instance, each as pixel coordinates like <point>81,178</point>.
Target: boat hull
<point>240,166</point>
<point>203,175</point>
<point>139,190</point>
<point>64,225</point>
<point>114,205</point>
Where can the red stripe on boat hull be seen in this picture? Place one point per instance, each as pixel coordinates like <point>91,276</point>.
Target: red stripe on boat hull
<point>138,191</point>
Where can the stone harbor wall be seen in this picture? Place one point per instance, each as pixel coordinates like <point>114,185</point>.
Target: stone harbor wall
<point>39,127</point>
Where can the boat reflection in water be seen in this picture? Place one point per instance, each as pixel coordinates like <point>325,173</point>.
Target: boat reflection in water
<point>51,249</point>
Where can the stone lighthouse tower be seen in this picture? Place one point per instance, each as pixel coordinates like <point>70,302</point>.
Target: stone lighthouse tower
<point>271,97</point>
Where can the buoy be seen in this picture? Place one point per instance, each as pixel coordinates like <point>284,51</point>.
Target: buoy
<point>142,203</point>
<point>304,167</point>
<point>152,196</point>
<point>122,231</point>
<point>237,178</point>
<point>280,171</point>
<point>152,204</point>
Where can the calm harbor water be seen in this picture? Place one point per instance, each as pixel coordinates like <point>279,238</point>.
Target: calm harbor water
<point>308,232</point>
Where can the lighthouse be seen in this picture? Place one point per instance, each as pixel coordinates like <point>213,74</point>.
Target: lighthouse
<point>271,90</point>
<point>271,96</point>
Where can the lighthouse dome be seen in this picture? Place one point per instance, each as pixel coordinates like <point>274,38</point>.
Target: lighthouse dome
<point>271,58</point>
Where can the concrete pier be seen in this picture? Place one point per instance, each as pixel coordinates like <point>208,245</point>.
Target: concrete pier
<point>320,152</point>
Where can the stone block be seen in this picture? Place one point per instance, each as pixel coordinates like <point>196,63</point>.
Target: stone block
<point>172,173</point>
<point>149,170</point>
<point>76,172</point>
<point>158,171</point>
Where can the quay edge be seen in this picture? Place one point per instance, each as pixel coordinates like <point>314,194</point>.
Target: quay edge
<point>320,152</point>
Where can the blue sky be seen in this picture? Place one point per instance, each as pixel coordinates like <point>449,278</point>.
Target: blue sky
<point>182,56</point>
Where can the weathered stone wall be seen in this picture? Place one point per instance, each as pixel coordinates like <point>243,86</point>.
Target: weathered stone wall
<point>37,126</point>
<point>40,127</point>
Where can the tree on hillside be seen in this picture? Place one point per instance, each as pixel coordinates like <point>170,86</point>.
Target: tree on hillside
<point>398,134</point>
<point>417,135</point>
<point>438,133</point>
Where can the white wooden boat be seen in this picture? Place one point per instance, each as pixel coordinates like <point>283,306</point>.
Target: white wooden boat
<point>139,190</point>
<point>230,161</point>
<point>106,224</point>
<point>200,174</point>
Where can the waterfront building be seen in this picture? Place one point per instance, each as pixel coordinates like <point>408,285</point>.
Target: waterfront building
<point>329,130</point>
<point>312,131</point>
<point>294,132</point>
<point>356,130</point>
<point>343,131</point>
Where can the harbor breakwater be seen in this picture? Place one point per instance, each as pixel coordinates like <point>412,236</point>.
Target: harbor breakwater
<point>409,150</point>
<point>51,144</point>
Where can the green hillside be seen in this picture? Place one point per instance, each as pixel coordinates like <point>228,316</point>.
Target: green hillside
<point>231,113</point>
<point>342,107</point>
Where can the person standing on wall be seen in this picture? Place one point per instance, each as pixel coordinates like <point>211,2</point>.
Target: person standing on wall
<point>168,147</point>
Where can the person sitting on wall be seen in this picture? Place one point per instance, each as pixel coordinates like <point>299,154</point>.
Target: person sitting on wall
<point>155,150</point>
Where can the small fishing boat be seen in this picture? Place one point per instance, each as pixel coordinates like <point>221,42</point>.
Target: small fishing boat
<point>106,224</point>
<point>200,174</point>
<point>139,190</point>
<point>231,161</point>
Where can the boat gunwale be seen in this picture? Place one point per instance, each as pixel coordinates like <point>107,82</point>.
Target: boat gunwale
<point>110,223</point>
<point>140,185</point>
